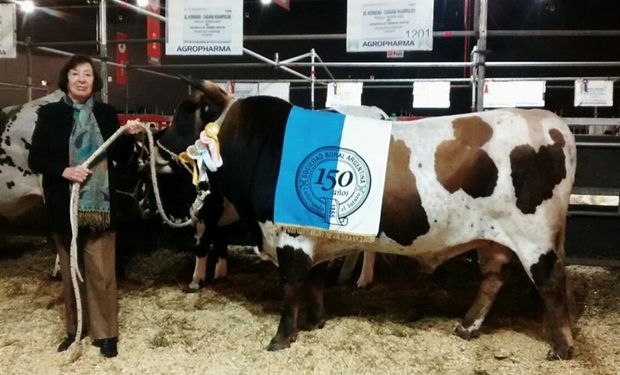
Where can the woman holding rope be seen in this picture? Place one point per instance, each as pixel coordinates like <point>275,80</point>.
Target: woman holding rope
<point>66,134</point>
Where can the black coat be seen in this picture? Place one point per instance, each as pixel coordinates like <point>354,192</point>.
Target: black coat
<point>49,155</point>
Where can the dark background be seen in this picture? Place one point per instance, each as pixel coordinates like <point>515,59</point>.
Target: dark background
<point>76,21</point>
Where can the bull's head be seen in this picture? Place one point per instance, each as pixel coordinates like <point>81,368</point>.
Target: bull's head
<point>206,103</point>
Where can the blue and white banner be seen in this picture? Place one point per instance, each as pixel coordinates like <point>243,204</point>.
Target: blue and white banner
<point>332,175</point>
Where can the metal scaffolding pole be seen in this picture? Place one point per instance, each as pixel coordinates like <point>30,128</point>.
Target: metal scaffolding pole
<point>140,10</point>
<point>312,77</point>
<point>481,51</point>
<point>103,48</point>
<point>29,68</point>
<point>293,37</point>
<point>500,64</point>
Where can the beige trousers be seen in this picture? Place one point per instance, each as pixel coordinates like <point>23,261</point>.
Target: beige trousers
<point>96,252</point>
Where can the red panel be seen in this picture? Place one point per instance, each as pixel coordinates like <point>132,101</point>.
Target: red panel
<point>153,31</point>
<point>121,58</point>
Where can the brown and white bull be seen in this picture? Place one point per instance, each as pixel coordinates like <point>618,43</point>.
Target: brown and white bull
<point>496,181</point>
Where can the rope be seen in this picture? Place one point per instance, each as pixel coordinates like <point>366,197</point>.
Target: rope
<point>75,348</point>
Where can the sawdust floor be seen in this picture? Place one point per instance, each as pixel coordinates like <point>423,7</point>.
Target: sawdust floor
<point>402,325</point>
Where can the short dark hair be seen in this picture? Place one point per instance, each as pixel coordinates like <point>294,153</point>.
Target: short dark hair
<point>75,60</point>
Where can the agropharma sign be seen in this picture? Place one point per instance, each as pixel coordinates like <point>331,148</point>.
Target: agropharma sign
<point>198,27</point>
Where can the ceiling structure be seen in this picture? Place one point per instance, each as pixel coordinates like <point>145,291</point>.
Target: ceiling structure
<point>75,21</point>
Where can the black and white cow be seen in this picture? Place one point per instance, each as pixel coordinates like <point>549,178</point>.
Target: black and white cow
<point>496,181</point>
<point>21,193</point>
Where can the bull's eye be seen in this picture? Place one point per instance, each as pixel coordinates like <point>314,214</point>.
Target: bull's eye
<point>206,108</point>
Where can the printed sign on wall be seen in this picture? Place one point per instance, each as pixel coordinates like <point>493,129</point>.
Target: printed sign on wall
<point>592,93</point>
<point>7,31</point>
<point>198,27</point>
<point>344,93</point>
<point>498,94</point>
<point>389,25</point>
<point>431,94</point>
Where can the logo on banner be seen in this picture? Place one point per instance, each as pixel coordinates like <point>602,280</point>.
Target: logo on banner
<point>333,183</point>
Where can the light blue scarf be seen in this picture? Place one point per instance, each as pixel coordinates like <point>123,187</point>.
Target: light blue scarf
<point>85,139</point>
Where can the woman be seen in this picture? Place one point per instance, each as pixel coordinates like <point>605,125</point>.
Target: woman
<point>66,134</point>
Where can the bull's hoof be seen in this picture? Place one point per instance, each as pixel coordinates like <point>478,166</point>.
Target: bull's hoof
<point>311,326</point>
<point>280,343</point>
<point>194,287</point>
<point>364,285</point>
<point>558,354</point>
<point>465,334</point>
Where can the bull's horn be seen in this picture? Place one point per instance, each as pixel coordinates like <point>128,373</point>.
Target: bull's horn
<point>200,84</point>
<point>196,83</point>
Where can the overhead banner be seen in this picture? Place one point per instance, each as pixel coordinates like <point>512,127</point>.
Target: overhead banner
<point>198,27</point>
<point>7,31</point>
<point>498,94</point>
<point>344,93</point>
<point>121,58</point>
<point>153,31</point>
<point>389,25</point>
<point>431,94</point>
<point>591,93</point>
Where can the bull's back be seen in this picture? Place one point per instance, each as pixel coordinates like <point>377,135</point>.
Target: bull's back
<point>503,175</point>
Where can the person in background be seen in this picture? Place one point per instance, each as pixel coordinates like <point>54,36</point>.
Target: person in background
<point>66,133</point>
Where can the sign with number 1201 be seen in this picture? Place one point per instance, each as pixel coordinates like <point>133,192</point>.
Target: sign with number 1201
<point>405,25</point>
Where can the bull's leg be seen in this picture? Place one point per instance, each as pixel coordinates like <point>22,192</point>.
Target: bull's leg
<point>293,267</point>
<point>200,265</point>
<point>316,308</point>
<point>491,258</point>
<point>221,255</point>
<point>56,271</point>
<point>368,270</point>
<point>550,278</point>
<point>198,277</point>
<point>347,268</point>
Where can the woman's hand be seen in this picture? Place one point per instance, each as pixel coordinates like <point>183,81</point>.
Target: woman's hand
<point>76,174</point>
<point>133,127</point>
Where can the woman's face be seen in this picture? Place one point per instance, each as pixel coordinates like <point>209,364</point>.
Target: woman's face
<point>80,84</point>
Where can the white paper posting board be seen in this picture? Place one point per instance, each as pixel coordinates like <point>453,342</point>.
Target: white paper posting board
<point>244,89</point>
<point>278,89</point>
<point>594,93</point>
<point>198,27</point>
<point>344,93</point>
<point>431,94</point>
<point>499,94</point>
<point>7,31</point>
<point>386,25</point>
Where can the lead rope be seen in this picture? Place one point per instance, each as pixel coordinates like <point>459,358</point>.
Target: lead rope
<point>75,350</point>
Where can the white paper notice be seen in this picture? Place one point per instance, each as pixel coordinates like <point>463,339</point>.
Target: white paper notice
<point>198,27</point>
<point>278,89</point>
<point>591,93</point>
<point>7,31</point>
<point>344,93</point>
<point>433,94</point>
<point>498,94</point>
<point>374,25</point>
